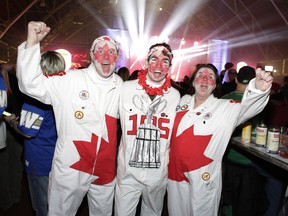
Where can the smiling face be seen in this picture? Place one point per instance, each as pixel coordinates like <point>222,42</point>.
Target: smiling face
<point>104,57</point>
<point>158,63</point>
<point>204,82</point>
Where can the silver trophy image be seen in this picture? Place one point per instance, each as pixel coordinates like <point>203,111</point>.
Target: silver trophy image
<point>146,147</point>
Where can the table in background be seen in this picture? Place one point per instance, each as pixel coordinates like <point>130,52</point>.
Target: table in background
<point>260,152</point>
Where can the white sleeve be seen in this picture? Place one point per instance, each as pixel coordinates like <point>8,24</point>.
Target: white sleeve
<point>31,80</point>
<point>253,101</point>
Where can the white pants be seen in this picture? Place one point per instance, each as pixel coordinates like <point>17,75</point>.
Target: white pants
<point>67,188</point>
<point>127,197</point>
<point>186,199</point>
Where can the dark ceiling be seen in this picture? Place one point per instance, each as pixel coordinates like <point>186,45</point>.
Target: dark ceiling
<point>255,28</point>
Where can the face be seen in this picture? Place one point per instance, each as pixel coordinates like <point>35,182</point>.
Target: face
<point>204,82</point>
<point>104,58</point>
<point>158,64</point>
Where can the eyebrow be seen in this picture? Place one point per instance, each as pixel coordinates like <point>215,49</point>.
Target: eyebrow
<point>155,56</point>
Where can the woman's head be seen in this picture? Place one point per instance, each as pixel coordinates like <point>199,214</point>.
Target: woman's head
<point>205,80</point>
<point>52,62</point>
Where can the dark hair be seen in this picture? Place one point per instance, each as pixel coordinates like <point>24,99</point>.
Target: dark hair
<point>124,73</point>
<point>133,75</point>
<point>216,91</point>
<point>167,46</point>
<point>228,65</point>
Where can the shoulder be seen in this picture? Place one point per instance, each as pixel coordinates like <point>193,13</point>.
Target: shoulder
<point>117,78</point>
<point>130,83</point>
<point>174,91</point>
<point>186,97</point>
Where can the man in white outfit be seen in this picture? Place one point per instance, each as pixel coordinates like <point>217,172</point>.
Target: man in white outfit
<point>147,110</point>
<point>85,103</point>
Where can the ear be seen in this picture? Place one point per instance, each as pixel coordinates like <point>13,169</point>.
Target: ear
<point>92,55</point>
<point>146,63</point>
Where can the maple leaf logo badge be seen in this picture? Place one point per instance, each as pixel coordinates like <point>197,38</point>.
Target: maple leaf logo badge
<point>186,151</point>
<point>103,163</point>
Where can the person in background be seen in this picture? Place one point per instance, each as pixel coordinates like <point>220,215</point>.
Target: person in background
<point>124,73</point>
<point>37,125</point>
<point>282,94</point>
<point>3,105</point>
<point>242,79</point>
<point>201,132</point>
<point>273,186</point>
<point>11,161</point>
<point>85,104</point>
<point>224,73</point>
<point>147,111</point>
<point>229,86</point>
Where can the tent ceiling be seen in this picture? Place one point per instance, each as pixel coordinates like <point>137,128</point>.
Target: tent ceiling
<point>258,25</point>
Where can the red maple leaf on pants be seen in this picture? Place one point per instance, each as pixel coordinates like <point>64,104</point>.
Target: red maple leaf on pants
<point>186,151</point>
<point>103,163</point>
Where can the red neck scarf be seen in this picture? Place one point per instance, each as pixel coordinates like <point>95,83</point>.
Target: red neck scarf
<point>152,90</point>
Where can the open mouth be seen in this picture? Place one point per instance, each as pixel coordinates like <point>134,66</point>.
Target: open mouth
<point>106,67</point>
<point>204,86</point>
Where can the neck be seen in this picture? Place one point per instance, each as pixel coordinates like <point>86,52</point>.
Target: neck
<point>152,83</point>
<point>241,87</point>
<point>198,100</point>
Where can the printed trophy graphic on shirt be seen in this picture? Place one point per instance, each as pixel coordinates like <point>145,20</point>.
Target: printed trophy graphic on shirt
<point>146,148</point>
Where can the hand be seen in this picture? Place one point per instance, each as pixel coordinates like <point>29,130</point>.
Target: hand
<point>36,32</point>
<point>263,79</point>
<point>10,118</point>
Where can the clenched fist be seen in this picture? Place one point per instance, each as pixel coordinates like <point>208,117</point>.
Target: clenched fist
<point>36,32</point>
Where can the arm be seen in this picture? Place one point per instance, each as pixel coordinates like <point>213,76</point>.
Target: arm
<point>30,77</point>
<point>256,95</point>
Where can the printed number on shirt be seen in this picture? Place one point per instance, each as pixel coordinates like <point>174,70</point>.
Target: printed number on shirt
<point>161,123</point>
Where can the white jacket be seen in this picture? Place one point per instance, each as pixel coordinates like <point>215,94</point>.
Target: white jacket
<point>85,107</point>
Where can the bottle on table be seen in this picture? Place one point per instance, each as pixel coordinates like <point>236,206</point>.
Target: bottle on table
<point>261,134</point>
<point>273,140</point>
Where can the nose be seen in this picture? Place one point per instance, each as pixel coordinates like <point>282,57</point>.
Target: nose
<point>205,78</point>
<point>158,64</point>
<point>106,55</point>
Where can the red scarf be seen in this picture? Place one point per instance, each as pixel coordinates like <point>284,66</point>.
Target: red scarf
<point>142,76</point>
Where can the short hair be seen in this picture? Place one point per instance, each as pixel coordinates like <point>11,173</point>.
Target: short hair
<point>167,46</point>
<point>52,62</point>
<point>228,65</point>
